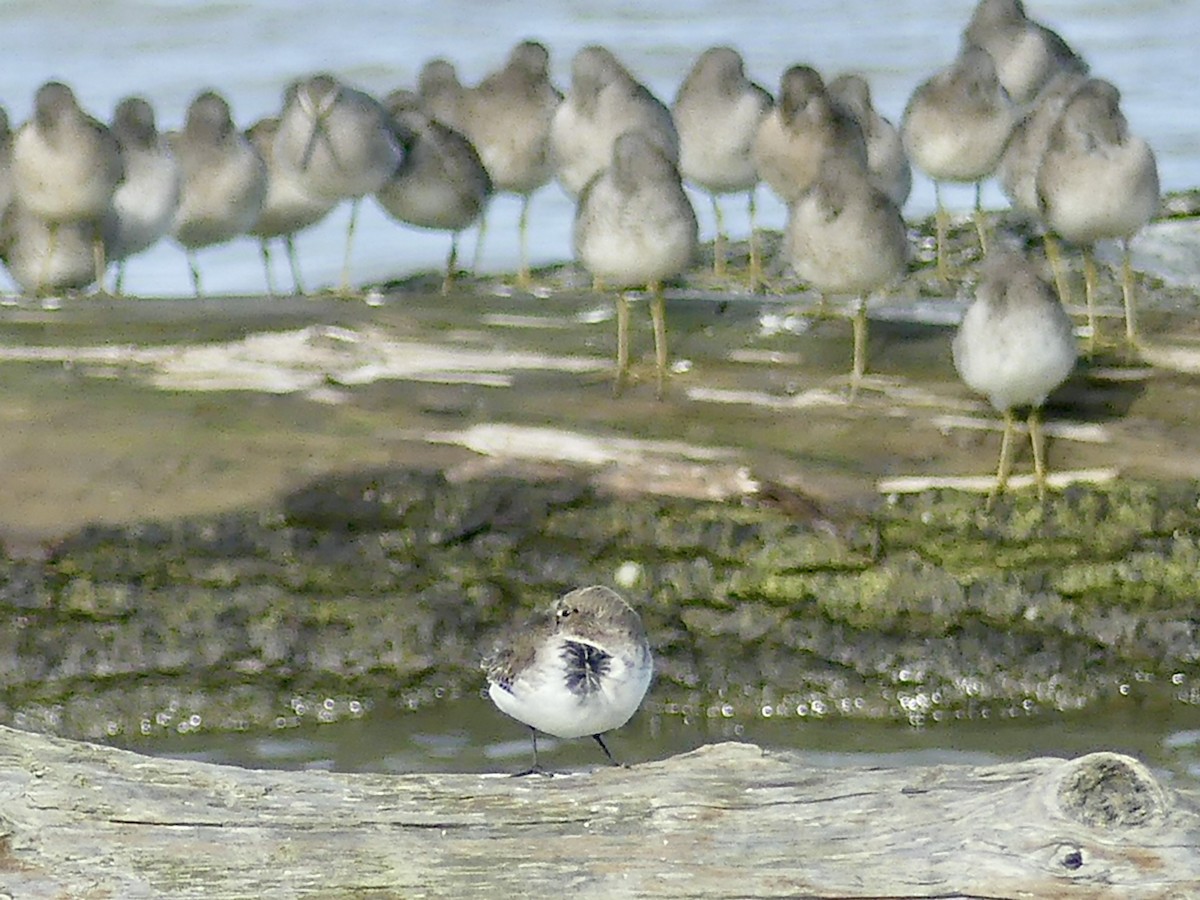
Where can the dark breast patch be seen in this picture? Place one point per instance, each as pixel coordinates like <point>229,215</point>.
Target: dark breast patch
<point>585,666</point>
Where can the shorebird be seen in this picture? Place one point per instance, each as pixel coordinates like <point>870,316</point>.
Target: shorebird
<point>45,258</point>
<point>508,121</point>
<point>604,102</point>
<point>287,207</point>
<point>580,668</point>
<point>717,112</point>
<point>66,166</point>
<point>224,179</point>
<point>338,143</point>
<point>806,127</point>
<point>1014,346</point>
<point>1098,180</point>
<point>1027,54</point>
<point>955,128</point>
<point>634,227</point>
<point>442,183</point>
<point>887,162</point>
<point>846,236</point>
<point>144,204</point>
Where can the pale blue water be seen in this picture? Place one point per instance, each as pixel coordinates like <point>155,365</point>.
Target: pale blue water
<point>169,50</point>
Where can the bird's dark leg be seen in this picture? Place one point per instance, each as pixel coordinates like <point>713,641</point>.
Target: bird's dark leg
<point>536,768</point>
<point>599,740</point>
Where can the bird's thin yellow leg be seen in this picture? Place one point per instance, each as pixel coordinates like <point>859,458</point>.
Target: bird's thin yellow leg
<point>1037,439</point>
<point>524,279</point>
<point>1058,268</point>
<point>1005,465</point>
<point>451,265</point>
<point>756,275</point>
<point>265,250</point>
<point>658,314</point>
<point>622,344</point>
<point>860,347</point>
<point>294,263</point>
<point>981,223</point>
<point>477,259</point>
<point>1090,278</point>
<point>1127,295</point>
<point>941,221</point>
<point>194,268</point>
<point>719,240</point>
<point>354,204</point>
<point>99,256</point>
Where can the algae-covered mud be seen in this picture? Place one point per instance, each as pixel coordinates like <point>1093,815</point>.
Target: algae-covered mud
<point>247,514</point>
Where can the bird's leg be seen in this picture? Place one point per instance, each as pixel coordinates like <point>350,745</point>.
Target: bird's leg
<point>658,315</point>
<point>719,240</point>
<point>523,275</point>
<point>860,347</point>
<point>39,289</point>
<point>265,249</point>
<point>941,223</point>
<point>597,284</point>
<point>1037,439</point>
<point>99,255</point>
<point>1127,295</point>
<point>599,740</point>
<point>536,768</point>
<point>119,283</point>
<point>294,262</point>
<point>622,343</point>
<point>756,275</point>
<point>981,219</point>
<point>477,261</point>
<point>451,265</point>
<point>354,204</point>
<point>1058,268</point>
<point>1090,278</point>
<point>1005,460</point>
<point>195,270</point>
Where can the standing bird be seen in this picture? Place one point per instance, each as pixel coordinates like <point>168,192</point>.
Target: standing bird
<point>1014,346</point>
<point>955,128</point>
<point>224,179</point>
<point>443,95</point>
<point>508,121</point>
<point>717,112</point>
<point>1097,180</point>
<point>66,166</point>
<point>634,227</point>
<point>887,162</point>
<point>846,236</point>
<point>144,204</point>
<point>287,208</point>
<point>442,183</point>
<point>580,668</point>
<point>338,143</point>
<point>806,127</point>
<point>1027,54</point>
<point>604,102</point>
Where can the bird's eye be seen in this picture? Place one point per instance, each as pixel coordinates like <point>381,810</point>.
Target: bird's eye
<point>564,612</point>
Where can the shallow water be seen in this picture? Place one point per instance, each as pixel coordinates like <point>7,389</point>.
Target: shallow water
<point>169,50</point>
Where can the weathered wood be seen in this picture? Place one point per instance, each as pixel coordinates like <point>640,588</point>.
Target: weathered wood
<point>81,820</point>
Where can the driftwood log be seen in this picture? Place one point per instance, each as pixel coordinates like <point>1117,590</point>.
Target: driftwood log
<point>82,820</point>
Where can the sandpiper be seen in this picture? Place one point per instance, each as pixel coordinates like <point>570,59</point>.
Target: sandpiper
<point>805,128</point>
<point>1097,180</point>
<point>846,236</point>
<point>224,179</point>
<point>1027,54</point>
<point>634,227</point>
<point>144,204</point>
<point>1015,345</point>
<point>886,160</point>
<point>66,166</point>
<point>579,668</point>
<point>287,208</point>
<point>338,143</point>
<point>442,183</point>
<point>717,112</point>
<point>45,258</point>
<point>955,128</point>
<point>509,116</point>
<point>443,96</point>
<point>604,102</point>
